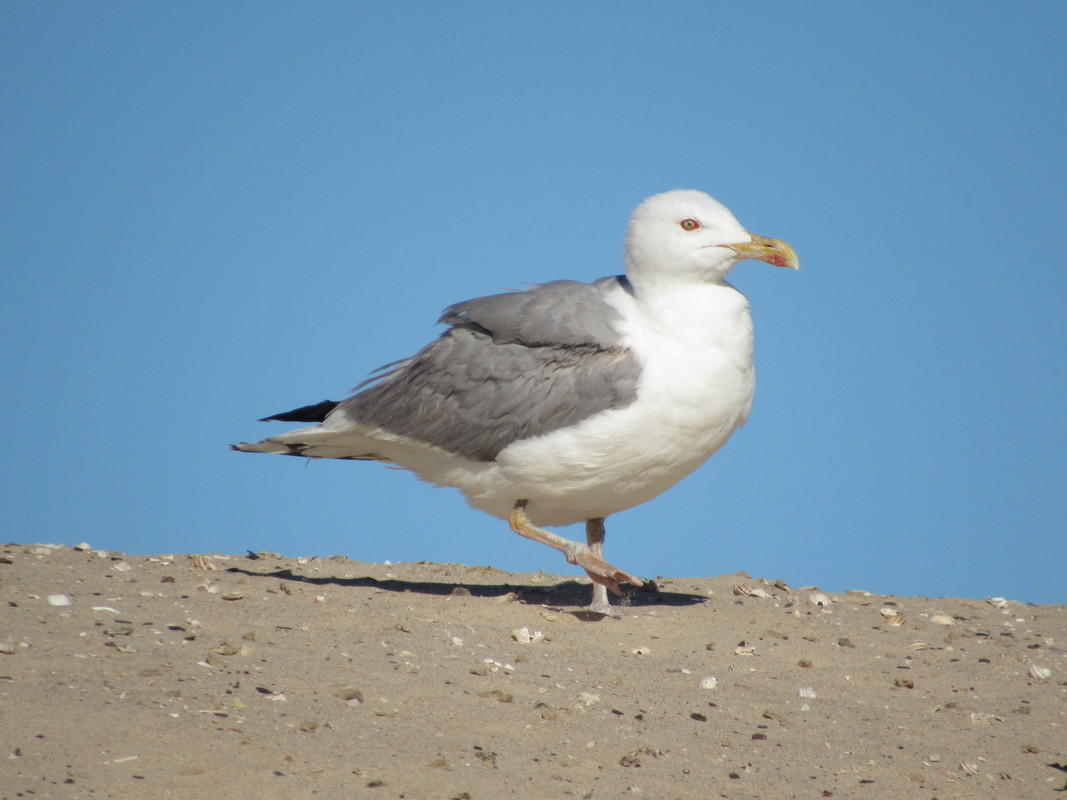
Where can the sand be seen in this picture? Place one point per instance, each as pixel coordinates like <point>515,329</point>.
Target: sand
<point>268,677</point>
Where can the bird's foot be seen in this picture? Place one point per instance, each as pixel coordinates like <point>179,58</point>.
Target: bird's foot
<point>600,604</point>
<point>600,570</point>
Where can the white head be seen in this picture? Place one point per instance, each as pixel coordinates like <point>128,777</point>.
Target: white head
<point>686,236</point>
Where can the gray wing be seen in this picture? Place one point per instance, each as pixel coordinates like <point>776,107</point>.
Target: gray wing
<point>511,366</point>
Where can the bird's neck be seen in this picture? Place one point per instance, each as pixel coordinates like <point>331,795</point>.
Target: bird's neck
<point>702,306</point>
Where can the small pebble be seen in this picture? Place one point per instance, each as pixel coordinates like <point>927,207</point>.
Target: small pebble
<point>351,695</point>
<point>59,600</point>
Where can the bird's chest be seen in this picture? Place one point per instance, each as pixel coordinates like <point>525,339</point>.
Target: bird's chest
<point>698,379</point>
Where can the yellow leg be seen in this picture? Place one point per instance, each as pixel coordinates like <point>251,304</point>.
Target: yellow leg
<point>587,556</point>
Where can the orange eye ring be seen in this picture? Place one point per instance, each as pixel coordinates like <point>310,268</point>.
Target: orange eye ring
<point>689,224</point>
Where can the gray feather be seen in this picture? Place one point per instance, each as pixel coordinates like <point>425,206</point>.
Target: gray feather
<point>556,313</point>
<point>512,366</point>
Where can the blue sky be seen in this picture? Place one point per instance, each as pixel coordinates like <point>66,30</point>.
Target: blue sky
<point>216,211</point>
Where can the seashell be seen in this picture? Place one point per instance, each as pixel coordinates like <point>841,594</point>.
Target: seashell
<point>896,621</point>
<point>807,691</point>
<point>942,619</point>
<point>819,599</point>
<point>1039,673</point>
<point>710,682</point>
<point>885,611</point>
<point>918,646</point>
<point>526,636</point>
<point>968,767</point>
<point>997,602</point>
<point>59,600</point>
<point>744,590</point>
<point>745,650</point>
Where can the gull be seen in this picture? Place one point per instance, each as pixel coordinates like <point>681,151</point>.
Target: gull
<point>570,401</point>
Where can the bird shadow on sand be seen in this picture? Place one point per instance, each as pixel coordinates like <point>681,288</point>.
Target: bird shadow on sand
<point>565,593</point>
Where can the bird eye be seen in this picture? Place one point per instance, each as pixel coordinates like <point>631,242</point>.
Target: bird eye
<point>689,224</point>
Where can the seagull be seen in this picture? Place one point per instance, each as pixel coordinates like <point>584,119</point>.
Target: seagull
<point>570,401</point>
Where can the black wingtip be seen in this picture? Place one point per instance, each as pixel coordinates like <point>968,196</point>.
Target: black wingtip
<point>315,413</point>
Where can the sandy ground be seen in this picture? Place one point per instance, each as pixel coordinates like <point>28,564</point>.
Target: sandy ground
<point>267,677</point>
